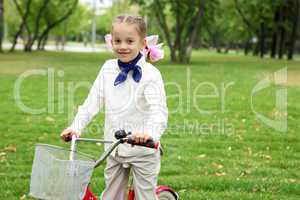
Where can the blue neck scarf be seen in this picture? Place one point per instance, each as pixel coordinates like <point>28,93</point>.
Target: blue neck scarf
<point>125,69</point>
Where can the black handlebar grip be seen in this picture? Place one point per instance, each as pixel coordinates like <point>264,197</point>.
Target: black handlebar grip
<point>149,143</point>
<point>126,137</point>
<point>120,134</point>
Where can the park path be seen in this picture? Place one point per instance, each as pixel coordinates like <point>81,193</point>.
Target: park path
<point>67,48</point>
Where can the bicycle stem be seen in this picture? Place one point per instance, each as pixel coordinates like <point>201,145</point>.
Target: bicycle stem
<point>108,152</point>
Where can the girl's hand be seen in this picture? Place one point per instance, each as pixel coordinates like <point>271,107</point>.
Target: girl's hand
<point>66,135</point>
<point>141,138</point>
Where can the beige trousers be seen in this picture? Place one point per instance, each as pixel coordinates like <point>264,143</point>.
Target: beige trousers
<point>145,170</point>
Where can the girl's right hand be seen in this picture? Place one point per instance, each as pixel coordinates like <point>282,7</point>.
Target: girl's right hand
<point>66,135</point>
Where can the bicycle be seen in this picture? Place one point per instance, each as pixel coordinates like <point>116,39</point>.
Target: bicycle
<point>62,174</point>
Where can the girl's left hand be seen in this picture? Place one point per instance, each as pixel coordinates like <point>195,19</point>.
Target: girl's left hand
<point>141,138</point>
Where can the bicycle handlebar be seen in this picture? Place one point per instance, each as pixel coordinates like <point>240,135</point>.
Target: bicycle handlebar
<point>149,143</point>
<point>126,138</point>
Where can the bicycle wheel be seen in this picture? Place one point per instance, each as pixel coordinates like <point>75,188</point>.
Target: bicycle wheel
<point>166,195</point>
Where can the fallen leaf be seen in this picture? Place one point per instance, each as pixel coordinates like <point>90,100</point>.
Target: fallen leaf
<point>244,173</point>
<point>249,151</point>
<point>268,157</point>
<point>50,119</point>
<point>2,159</point>
<point>292,180</point>
<point>182,191</point>
<point>10,149</point>
<point>216,165</point>
<point>255,189</point>
<point>202,156</point>
<point>2,154</point>
<point>44,136</point>
<point>264,179</point>
<point>220,174</point>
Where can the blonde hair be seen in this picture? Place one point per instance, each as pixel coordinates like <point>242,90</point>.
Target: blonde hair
<point>137,20</point>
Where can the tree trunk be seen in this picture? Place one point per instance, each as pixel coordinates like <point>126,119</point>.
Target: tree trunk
<point>63,42</point>
<point>1,23</point>
<point>214,40</point>
<point>44,42</point>
<point>187,47</point>
<point>52,25</point>
<point>262,40</point>
<point>274,45</point>
<point>28,44</point>
<point>247,46</point>
<point>64,36</point>
<point>184,57</point>
<point>227,48</point>
<point>161,18</point>
<point>22,24</point>
<point>281,43</point>
<point>256,48</point>
<point>275,33</point>
<point>294,29</point>
<point>32,39</point>
<point>282,33</point>
<point>40,42</point>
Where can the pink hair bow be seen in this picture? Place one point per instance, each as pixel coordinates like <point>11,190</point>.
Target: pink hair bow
<point>153,51</point>
<point>108,41</point>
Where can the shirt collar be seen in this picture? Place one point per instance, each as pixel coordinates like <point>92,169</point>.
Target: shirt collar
<point>142,61</point>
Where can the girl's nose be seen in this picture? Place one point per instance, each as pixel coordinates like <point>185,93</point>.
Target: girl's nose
<point>123,45</point>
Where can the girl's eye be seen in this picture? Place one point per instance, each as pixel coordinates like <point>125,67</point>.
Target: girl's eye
<point>130,41</point>
<point>117,41</point>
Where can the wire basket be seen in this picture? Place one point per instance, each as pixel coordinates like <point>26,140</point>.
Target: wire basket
<point>54,176</point>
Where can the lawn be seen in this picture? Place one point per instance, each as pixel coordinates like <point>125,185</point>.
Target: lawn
<point>215,146</point>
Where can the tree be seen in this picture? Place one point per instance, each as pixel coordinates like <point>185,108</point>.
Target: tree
<point>52,21</point>
<point>74,28</point>
<point>1,23</point>
<point>23,24</point>
<point>295,25</point>
<point>37,25</point>
<point>222,29</point>
<point>275,33</point>
<point>274,23</point>
<point>181,33</point>
<point>104,21</point>
<point>48,14</point>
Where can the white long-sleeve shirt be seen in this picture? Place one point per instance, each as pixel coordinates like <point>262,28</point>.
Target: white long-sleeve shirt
<point>136,107</point>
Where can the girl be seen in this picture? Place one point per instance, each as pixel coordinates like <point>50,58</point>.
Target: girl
<point>132,92</point>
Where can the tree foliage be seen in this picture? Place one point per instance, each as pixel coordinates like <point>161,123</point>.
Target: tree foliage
<point>273,22</point>
<point>261,27</point>
<point>37,18</point>
<point>179,21</point>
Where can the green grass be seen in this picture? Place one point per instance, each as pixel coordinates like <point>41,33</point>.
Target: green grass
<point>246,160</point>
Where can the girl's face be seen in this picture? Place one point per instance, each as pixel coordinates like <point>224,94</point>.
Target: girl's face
<point>126,41</point>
